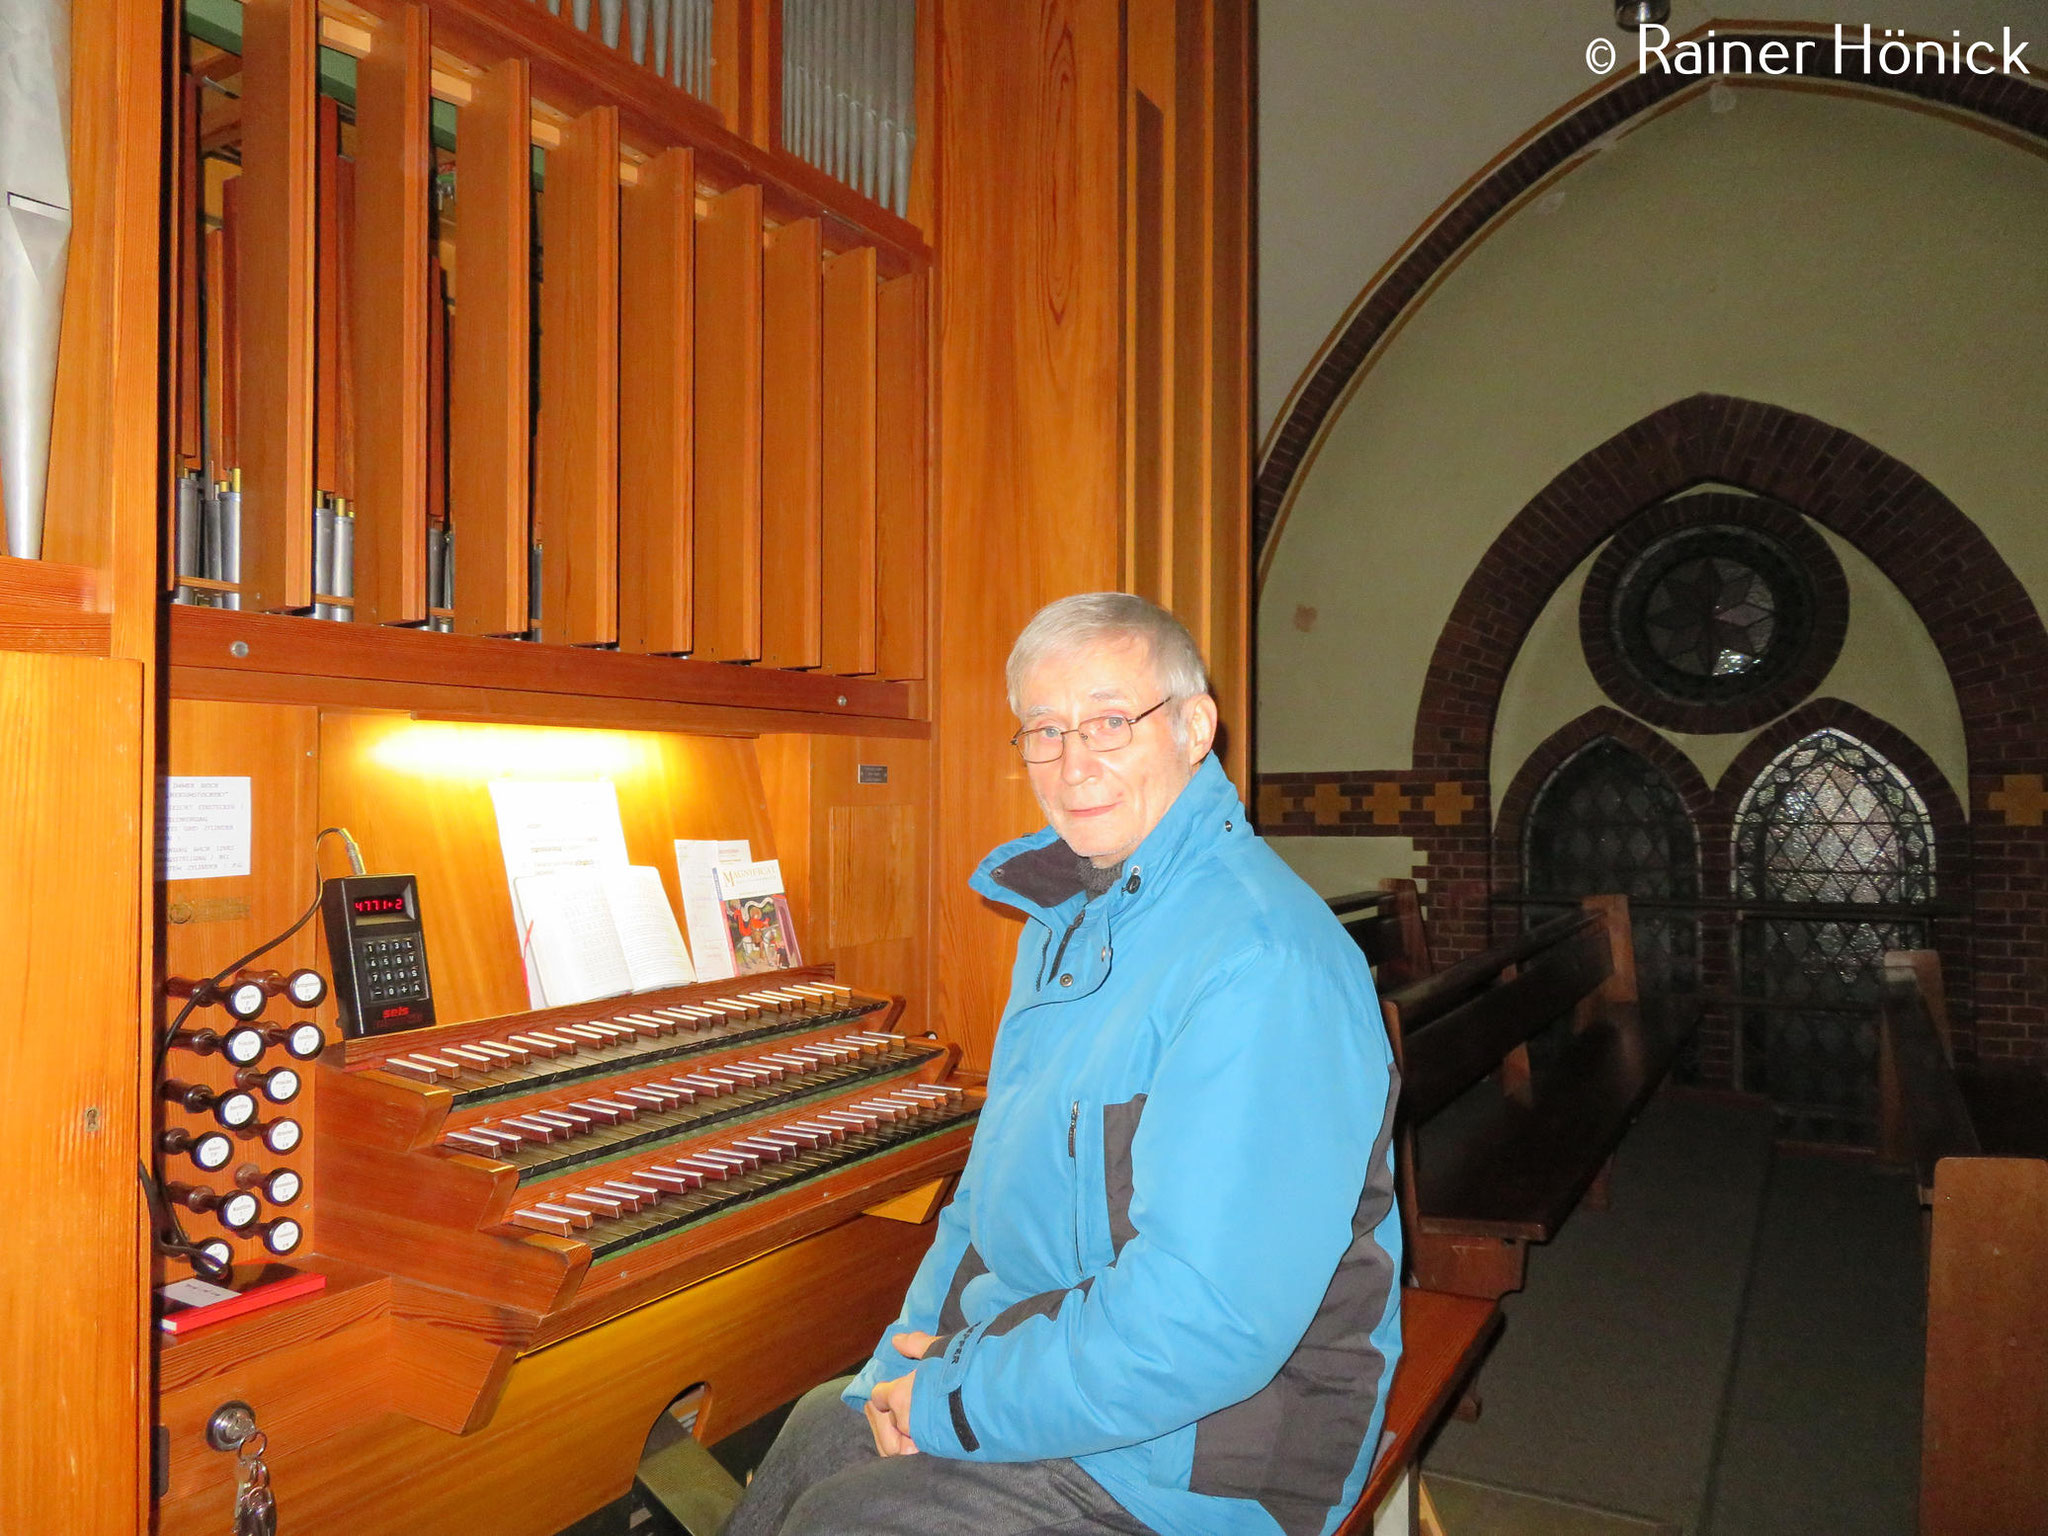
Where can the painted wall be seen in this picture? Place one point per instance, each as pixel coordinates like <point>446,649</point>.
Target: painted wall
<point>1373,112</point>
<point>1888,666</point>
<point>1876,267</point>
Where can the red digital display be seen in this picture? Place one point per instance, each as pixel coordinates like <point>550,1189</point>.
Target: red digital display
<point>375,906</point>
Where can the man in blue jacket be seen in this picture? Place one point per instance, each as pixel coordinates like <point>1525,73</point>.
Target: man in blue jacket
<point>1165,1295</point>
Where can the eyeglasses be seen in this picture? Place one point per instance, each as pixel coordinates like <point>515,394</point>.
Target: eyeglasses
<point>1105,733</point>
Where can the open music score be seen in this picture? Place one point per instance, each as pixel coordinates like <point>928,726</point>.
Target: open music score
<point>557,1168</point>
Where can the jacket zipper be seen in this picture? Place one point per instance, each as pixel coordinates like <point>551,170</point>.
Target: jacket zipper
<point>1073,1121</point>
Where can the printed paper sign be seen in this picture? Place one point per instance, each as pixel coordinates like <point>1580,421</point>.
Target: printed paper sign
<point>206,828</point>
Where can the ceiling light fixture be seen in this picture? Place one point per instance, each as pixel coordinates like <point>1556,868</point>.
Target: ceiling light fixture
<point>1631,15</point>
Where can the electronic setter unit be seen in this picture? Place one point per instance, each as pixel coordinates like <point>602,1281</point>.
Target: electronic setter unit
<point>379,953</point>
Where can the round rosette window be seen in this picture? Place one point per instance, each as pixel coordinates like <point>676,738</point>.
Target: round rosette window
<point>1714,612</point>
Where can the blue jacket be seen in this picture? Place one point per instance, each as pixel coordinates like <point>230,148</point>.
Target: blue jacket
<point>1174,1253</point>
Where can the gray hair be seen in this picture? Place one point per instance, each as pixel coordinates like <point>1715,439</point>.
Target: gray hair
<point>1089,618</point>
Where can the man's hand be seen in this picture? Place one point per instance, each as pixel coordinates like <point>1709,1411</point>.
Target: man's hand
<point>888,1408</point>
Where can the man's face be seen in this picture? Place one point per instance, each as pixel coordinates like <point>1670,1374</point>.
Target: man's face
<point>1103,803</point>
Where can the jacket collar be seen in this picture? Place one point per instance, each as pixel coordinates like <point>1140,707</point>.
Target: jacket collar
<point>1039,874</point>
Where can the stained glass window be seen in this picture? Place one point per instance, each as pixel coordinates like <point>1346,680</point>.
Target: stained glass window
<point>1833,821</point>
<point>1712,613</point>
<point>1608,821</point>
<point>1711,617</point>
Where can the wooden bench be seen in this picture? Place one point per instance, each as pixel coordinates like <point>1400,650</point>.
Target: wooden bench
<point>1443,1339</point>
<point>1496,1152</point>
<point>1387,925</point>
<point>1977,1140</point>
<point>1928,1106</point>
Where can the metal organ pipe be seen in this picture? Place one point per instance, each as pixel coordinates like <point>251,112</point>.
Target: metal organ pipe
<point>35,238</point>
<point>849,83</point>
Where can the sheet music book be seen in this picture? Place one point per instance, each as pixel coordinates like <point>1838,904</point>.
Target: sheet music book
<point>758,929</point>
<point>696,863</point>
<point>549,825</point>
<point>598,932</point>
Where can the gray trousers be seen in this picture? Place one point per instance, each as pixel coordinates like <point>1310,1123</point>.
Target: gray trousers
<point>823,1477</point>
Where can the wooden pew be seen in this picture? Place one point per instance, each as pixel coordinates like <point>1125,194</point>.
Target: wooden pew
<point>1443,1339</point>
<point>1488,1169</point>
<point>1984,1418</point>
<point>1386,925</point>
<point>1928,1106</point>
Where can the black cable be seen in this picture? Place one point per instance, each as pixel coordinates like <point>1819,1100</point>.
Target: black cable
<point>166,1229</point>
<point>355,859</point>
<point>168,1232</point>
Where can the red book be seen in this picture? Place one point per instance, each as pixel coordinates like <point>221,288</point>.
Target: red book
<point>189,1305</point>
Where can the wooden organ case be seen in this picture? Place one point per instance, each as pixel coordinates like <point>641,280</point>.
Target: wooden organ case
<point>452,390</point>
<point>530,422</point>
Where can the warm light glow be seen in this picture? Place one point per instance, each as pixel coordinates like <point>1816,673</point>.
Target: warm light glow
<point>447,749</point>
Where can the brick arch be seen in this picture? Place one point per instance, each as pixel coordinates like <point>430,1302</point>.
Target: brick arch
<point>1565,743</point>
<point>1450,233</point>
<point>1981,620</point>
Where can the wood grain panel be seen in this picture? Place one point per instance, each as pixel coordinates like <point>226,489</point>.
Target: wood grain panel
<point>345,360</point>
<point>488,381</point>
<point>871,859</point>
<point>870,856</point>
<point>1030,427</point>
<point>206,638</point>
<point>329,320</point>
<point>727,575</point>
<point>438,311</point>
<point>207,923</point>
<point>569,1428</point>
<point>851,581</point>
<point>792,305</point>
<point>189,449</point>
<point>1193,495</point>
<point>394,178</point>
<point>72,795</point>
<point>576,512</point>
<point>280,43</point>
<point>417,796</point>
<point>657,291</point>
<point>902,471</point>
<point>1149,524</point>
<point>220,354</point>
<point>1984,1467</point>
<point>1229,377</point>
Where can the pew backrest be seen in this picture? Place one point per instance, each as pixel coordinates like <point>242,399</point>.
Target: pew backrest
<point>1922,1114</point>
<point>1386,925</point>
<point>1984,1437</point>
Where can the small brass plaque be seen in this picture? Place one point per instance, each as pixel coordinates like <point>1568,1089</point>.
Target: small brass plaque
<point>217,909</point>
<point>872,773</point>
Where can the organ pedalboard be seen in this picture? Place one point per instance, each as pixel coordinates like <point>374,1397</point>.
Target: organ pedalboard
<point>544,1172</point>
